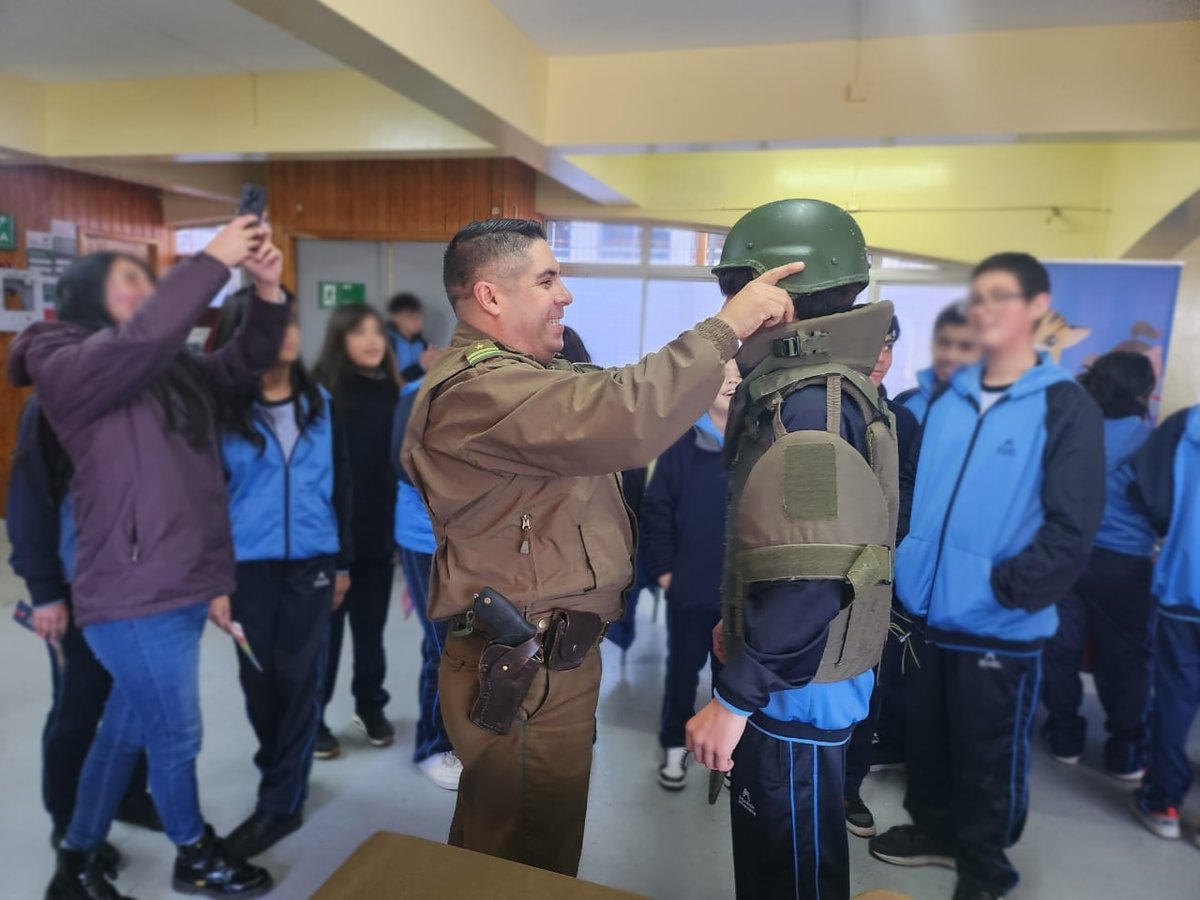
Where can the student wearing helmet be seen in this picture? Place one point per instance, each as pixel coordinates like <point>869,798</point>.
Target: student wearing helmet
<point>812,453</point>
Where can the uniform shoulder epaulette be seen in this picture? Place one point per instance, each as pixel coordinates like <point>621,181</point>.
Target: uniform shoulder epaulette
<point>480,351</point>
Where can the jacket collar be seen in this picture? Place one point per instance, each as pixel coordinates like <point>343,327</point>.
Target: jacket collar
<point>465,335</point>
<point>708,437</point>
<point>968,381</point>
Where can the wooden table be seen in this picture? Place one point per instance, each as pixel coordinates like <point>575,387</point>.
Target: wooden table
<point>390,866</point>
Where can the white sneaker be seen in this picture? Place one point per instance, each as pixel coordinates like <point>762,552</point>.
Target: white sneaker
<point>443,769</point>
<point>672,774</point>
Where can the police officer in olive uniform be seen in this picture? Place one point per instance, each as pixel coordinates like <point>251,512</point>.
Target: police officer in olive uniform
<point>812,524</point>
<point>514,452</point>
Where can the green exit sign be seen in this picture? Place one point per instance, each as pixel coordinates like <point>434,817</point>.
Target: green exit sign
<point>332,294</point>
<point>8,231</point>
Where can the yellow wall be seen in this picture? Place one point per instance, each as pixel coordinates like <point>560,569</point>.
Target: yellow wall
<point>22,114</point>
<point>337,111</point>
<point>1058,81</point>
<point>1145,182</point>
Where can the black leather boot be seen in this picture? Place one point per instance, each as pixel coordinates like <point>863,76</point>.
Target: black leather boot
<point>207,868</point>
<point>109,855</point>
<point>261,831</point>
<point>81,876</point>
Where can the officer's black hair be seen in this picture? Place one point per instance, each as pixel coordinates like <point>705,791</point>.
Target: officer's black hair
<point>1031,275</point>
<point>481,244</point>
<point>954,315</point>
<point>402,303</point>
<point>1121,382</point>
<point>808,306</point>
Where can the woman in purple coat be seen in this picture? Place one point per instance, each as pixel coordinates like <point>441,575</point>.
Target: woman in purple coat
<point>134,412</point>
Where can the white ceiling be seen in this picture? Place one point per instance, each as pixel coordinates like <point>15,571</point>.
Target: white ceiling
<point>565,27</point>
<point>102,40</point>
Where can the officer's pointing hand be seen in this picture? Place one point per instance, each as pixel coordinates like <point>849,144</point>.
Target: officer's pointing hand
<point>761,303</point>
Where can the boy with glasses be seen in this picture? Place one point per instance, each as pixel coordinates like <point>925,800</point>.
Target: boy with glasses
<point>1008,496</point>
<point>954,346</point>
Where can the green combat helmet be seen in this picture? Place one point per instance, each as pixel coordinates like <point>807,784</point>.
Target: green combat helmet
<point>822,236</point>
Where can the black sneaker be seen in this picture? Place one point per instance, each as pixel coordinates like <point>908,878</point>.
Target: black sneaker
<point>207,868</point>
<point>140,810</point>
<point>904,845</point>
<point>859,820</point>
<point>375,725</point>
<point>260,832</point>
<point>964,891</point>
<point>109,855</point>
<point>327,746</point>
<point>81,876</point>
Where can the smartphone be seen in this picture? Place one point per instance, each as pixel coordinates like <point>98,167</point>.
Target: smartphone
<point>23,615</point>
<point>253,201</point>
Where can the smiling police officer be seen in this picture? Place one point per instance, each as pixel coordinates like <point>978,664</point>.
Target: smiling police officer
<point>514,452</point>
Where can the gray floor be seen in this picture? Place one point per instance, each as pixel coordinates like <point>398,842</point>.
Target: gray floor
<point>1080,842</point>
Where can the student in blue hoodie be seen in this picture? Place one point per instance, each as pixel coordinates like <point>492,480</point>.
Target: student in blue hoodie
<point>1112,601</point>
<point>1167,483</point>
<point>682,531</point>
<point>1008,496</point>
<point>878,741</point>
<point>434,754</point>
<point>287,474</point>
<point>405,321</point>
<point>41,530</point>
<point>954,346</point>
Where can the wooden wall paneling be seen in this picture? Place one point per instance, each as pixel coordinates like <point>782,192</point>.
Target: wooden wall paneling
<point>37,194</point>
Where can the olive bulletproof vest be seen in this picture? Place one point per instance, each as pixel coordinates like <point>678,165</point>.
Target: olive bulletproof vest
<point>806,505</point>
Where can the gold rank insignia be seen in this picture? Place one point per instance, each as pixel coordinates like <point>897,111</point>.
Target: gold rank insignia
<point>481,351</point>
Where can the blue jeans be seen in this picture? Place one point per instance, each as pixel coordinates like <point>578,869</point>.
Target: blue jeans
<point>154,704</point>
<point>431,731</point>
<point>1176,701</point>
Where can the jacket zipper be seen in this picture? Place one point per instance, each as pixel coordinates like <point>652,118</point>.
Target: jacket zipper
<point>287,494</point>
<point>526,533</point>
<point>937,561</point>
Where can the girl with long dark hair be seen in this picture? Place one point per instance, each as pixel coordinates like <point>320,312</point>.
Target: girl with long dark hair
<point>288,480</point>
<point>134,412</point>
<point>1112,600</point>
<point>358,368</point>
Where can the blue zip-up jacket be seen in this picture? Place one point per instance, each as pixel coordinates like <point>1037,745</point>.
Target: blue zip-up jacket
<point>1004,510</point>
<point>1167,483</point>
<point>292,509</point>
<point>413,529</point>
<point>1124,527</point>
<point>41,532</point>
<point>408,354</point>
<point>918,399</point>
<point>681,524</point>
<point>768,675</point>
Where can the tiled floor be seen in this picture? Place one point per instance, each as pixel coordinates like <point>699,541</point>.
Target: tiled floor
<point>1080,843</point>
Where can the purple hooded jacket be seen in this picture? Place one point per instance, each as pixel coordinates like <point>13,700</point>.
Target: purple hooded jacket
<point>151,509</point>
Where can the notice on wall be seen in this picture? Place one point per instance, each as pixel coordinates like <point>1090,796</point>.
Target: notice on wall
<point>8,231</point>
<point>23,293</point>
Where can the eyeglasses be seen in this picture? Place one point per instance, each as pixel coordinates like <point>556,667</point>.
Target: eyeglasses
<point>994,299</point>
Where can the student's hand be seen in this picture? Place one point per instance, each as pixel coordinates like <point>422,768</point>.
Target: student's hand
<point>664,581</point>
<point>761,303</point>
<point>341,585</point>
<point>220,613</point>
<point>237,241</point>
<point>712,735</point>
<point>266,268</point>
<point>50,622</point>
<point>428,355</point>
<point>719,642</point>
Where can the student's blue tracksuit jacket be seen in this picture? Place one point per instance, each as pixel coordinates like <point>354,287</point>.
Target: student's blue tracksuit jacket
<point>408,354</point>
<point>1167,481</point>
<point>1124,527</point>
<point>1004,510</point>
<point>413,530</point>
<point>770,673</point>
<point>918,399</point>
<point>292,509</point>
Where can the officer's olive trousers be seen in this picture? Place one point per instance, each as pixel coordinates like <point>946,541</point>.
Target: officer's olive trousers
<point>523,796</point>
